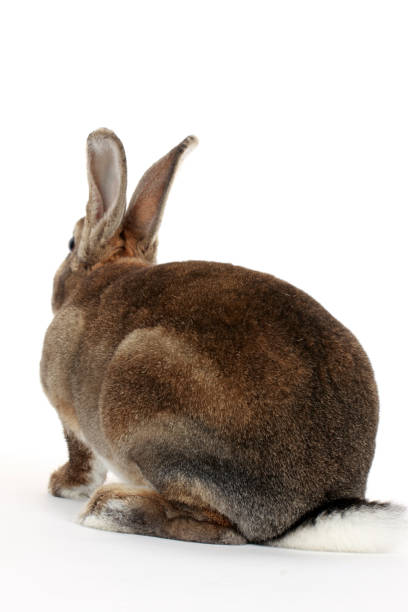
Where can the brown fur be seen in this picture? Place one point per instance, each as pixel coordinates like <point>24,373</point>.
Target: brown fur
<point>76,471</point>
<point>148,513</point>
<point>236,397</point>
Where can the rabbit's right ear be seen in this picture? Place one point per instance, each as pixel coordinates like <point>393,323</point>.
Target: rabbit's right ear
<point>146,206</point>
<point>107,193</point>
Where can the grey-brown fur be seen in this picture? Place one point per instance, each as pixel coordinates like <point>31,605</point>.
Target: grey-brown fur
<point>235,399</point>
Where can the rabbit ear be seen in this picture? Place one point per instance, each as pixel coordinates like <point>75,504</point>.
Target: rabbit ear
<point>107,191</point>
<point>146,206</point>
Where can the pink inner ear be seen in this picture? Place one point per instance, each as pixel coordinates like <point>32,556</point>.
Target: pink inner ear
<point>105,168</point>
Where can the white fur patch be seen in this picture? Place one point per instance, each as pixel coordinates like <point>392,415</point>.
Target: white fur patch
<point>355,529</point>
<point>79,492</point>
<point>96,521</point>
<point>108,516</point>
<point>102,517</point>
<point>112,467</point>
<point>96,477</point>
<point>125,477</point>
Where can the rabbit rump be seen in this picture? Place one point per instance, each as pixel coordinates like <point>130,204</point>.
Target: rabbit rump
<point>233,407</point>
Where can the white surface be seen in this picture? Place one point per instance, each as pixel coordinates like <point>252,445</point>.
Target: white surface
<point>52,563</point>
<point>301,110</point>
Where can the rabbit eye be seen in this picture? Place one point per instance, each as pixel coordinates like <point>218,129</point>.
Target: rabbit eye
<point>71,244</point>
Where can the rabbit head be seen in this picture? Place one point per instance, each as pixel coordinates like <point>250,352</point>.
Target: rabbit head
<point>110,231</point>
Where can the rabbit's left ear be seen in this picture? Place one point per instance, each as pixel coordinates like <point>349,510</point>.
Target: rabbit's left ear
<point>147,203</point>
<point>106,163</point>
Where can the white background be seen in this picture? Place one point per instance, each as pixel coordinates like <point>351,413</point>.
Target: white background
<point>302,113</point>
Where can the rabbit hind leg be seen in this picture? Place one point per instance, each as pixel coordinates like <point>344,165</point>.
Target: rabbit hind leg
<point>143,511</point>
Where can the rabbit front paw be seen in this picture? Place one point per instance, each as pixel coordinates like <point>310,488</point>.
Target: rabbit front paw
<point>77,483</point>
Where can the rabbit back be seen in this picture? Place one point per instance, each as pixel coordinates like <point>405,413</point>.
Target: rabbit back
<point>227,383</point>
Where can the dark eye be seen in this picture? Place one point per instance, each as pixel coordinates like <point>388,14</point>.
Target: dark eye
<point>71,244</point>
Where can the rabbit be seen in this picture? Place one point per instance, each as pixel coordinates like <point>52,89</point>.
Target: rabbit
<point>231,405</point>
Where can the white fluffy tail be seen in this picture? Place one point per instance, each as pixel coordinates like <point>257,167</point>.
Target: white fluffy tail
<point>349,526</point>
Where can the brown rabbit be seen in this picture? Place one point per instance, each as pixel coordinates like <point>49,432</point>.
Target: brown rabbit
<point>235,408</point>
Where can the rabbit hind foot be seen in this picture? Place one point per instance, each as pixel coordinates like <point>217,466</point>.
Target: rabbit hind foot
<point>143,511</point>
